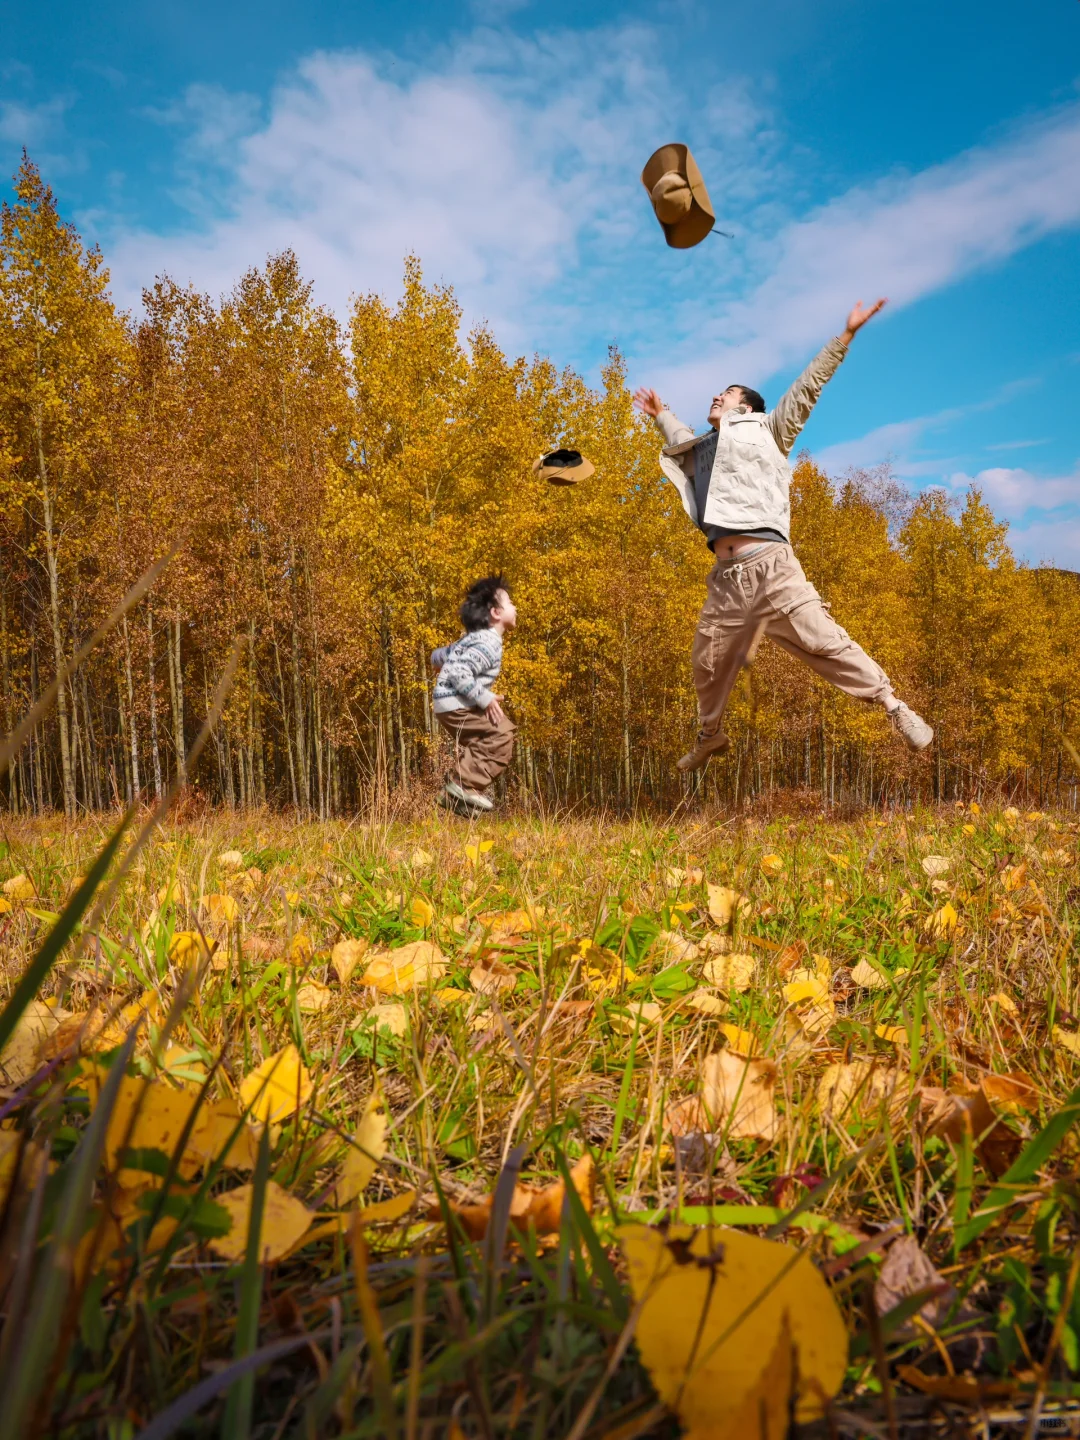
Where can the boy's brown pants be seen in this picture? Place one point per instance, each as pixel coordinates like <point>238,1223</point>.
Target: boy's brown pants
<point>769,594</point>
<point>482,751</point>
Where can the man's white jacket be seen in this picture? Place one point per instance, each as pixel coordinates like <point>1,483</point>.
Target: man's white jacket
<point>750,485</point>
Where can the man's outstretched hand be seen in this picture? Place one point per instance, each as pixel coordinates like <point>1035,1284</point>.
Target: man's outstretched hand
<point>649,402</point>
<point>859,316</point>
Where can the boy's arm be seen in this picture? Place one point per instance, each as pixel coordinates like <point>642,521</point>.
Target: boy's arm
<point>438,657</point>
<point>793,410</point>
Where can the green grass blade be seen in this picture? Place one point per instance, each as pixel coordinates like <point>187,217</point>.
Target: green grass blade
<point>602,1267</point>
<point>236,1422</point>
<point>37,1353</point>
<point>1022,1171</point>
<point>33,976</point>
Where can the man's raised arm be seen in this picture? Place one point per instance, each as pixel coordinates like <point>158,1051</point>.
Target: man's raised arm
<point>793,409</point>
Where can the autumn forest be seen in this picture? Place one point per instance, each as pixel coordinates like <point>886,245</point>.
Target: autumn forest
<point>327,485</point>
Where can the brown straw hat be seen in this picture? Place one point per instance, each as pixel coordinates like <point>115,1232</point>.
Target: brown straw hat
<point>678,196</point>
<point>563,467</point>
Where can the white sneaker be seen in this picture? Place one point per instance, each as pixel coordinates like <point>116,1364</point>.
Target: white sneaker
<point>469,797</point>
<point>914,730</point>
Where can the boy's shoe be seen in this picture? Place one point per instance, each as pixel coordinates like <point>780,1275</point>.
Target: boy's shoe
<point>456,807</point>
<point>472,798</point>
<point>705,746</point>
<point>914,730</point>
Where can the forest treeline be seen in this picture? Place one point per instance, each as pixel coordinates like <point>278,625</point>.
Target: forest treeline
<point>336,484</point>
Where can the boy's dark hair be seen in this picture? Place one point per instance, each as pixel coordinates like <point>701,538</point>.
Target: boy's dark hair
<point>753,399</point>
<point>479,600</point>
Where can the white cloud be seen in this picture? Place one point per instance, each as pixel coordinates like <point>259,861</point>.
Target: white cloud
<point>1048,542</point>
<point>494,163</point>
<point>1015,492</point>
<point>905,237</point>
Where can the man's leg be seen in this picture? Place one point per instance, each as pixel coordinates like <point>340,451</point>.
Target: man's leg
<point>803,627</point>
<point>727,632</point>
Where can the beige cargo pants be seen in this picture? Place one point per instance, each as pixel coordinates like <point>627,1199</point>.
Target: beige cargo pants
<point>769,594</point>
<point>482,751</point>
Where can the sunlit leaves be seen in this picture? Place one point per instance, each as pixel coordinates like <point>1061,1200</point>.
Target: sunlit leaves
<point>278,1087</point>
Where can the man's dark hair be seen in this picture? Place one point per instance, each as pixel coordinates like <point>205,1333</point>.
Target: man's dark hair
<point>752,398</point>
<point>479,600</point>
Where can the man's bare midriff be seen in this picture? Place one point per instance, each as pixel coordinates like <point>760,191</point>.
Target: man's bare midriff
<point>732,546</point>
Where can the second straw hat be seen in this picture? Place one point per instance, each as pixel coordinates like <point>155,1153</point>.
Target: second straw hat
<point>563,467</point>
<point>678,196</point>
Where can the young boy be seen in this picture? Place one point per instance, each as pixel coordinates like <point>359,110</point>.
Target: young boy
<point>465,707</point>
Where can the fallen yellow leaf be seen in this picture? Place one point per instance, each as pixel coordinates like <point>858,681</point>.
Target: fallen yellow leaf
<point>231,859</point>
<point>420,912</point>
<point>640,1014</point>
<point>705,1002</point>
<point>301,949</point>
<point>278,1087</point>
<point>892,1034</point>
<point>739,1041</point>
<point>714,1306</point>
<point>738,1094</point>
<point>285,1220</point>
<point>858,1089</point>
<point>1004,1002</point>
<point>222,909</point>
<point>187,948</point>
<point>806,987</point>
<point>725,904</point>
<point>311,997</point>
<point>388,1016</point>
<point>867,977</point>
<point>19,889</point>
<point>474,851</point>
<point>491,976</point>
<point>671,949</point>
<point>19,1058</point>
<point>366,1150</point>
<point>730,972</point>
<point>936,865</point>
<point>396,972</point>
<point>345,957</point>
<point>771,864</point>
<point>942,924</point>
<point>1067,1039</point>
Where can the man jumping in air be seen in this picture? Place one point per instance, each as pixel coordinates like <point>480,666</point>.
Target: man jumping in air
<point>735,486</point>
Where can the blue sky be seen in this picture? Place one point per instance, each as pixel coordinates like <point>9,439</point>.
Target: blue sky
<point>926,152</point>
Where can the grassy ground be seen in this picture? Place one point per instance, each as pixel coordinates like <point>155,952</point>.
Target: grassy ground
<point>906,985</point>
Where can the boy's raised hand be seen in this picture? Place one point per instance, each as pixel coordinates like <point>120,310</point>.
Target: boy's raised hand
<point>495,712</point>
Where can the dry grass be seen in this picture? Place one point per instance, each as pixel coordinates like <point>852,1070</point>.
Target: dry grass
<point>560,1071</point>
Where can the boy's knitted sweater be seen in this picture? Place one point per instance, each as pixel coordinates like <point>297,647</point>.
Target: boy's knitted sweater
<point>467,670</point>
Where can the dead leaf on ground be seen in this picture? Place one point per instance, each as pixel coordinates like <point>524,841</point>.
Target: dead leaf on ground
<point>859,1089</point>
<point>952,1116</point>
<point>278,1087</point>
<point>907,1270</point>
<point>725,904</point>
<point>867,977</point>
<point>714,1305</point>
<point>490,976</point>
<point>19,1058</point>
<point>738,1095</point>
<point>367,1148</point>
<point>539,1207</point>
<point>345,957</point>
<point>285,1220</point>
<point>311,997</point>
<point>733,973</point>
<point>396,972</point>
<point>671,948</point>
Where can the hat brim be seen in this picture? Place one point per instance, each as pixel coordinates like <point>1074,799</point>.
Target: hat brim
<point>566,474</point>
<point>692,227</point>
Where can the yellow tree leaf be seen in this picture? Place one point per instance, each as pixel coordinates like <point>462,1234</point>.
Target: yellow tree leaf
<point>285,1220</point>
<point>420,858</point>
<point>858,1089</point>
<point>311,997</point>
<point>867,977</point>
<point>231,859</point>
<point>730,972</point>
<point>345,957</point>
<point>366,1150</point>
<point>187,948</point>
<point>714,1305</point>
<point>475,851</point>
<point>645,1012</point>
<point>942,924</point>
<point>396,972</point>
<point>222,909</point>
<point>725,904</point>
<point>278,1087</point>
<point>301,949</point>
<point>147,1115</point>
<point>705,1002</point>
<point>491,976</point>
<point>19,889</point>
<point>806,988</point>
<point>19,1059</point>
<point>1067,1039</point>
<point>738,1093</point>
<point>740,1041</point>
<point>389,1016</point>
<point>218,1135</point>
<point>772,864</point>
<point>421,912</point>
<point>671,949</point>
